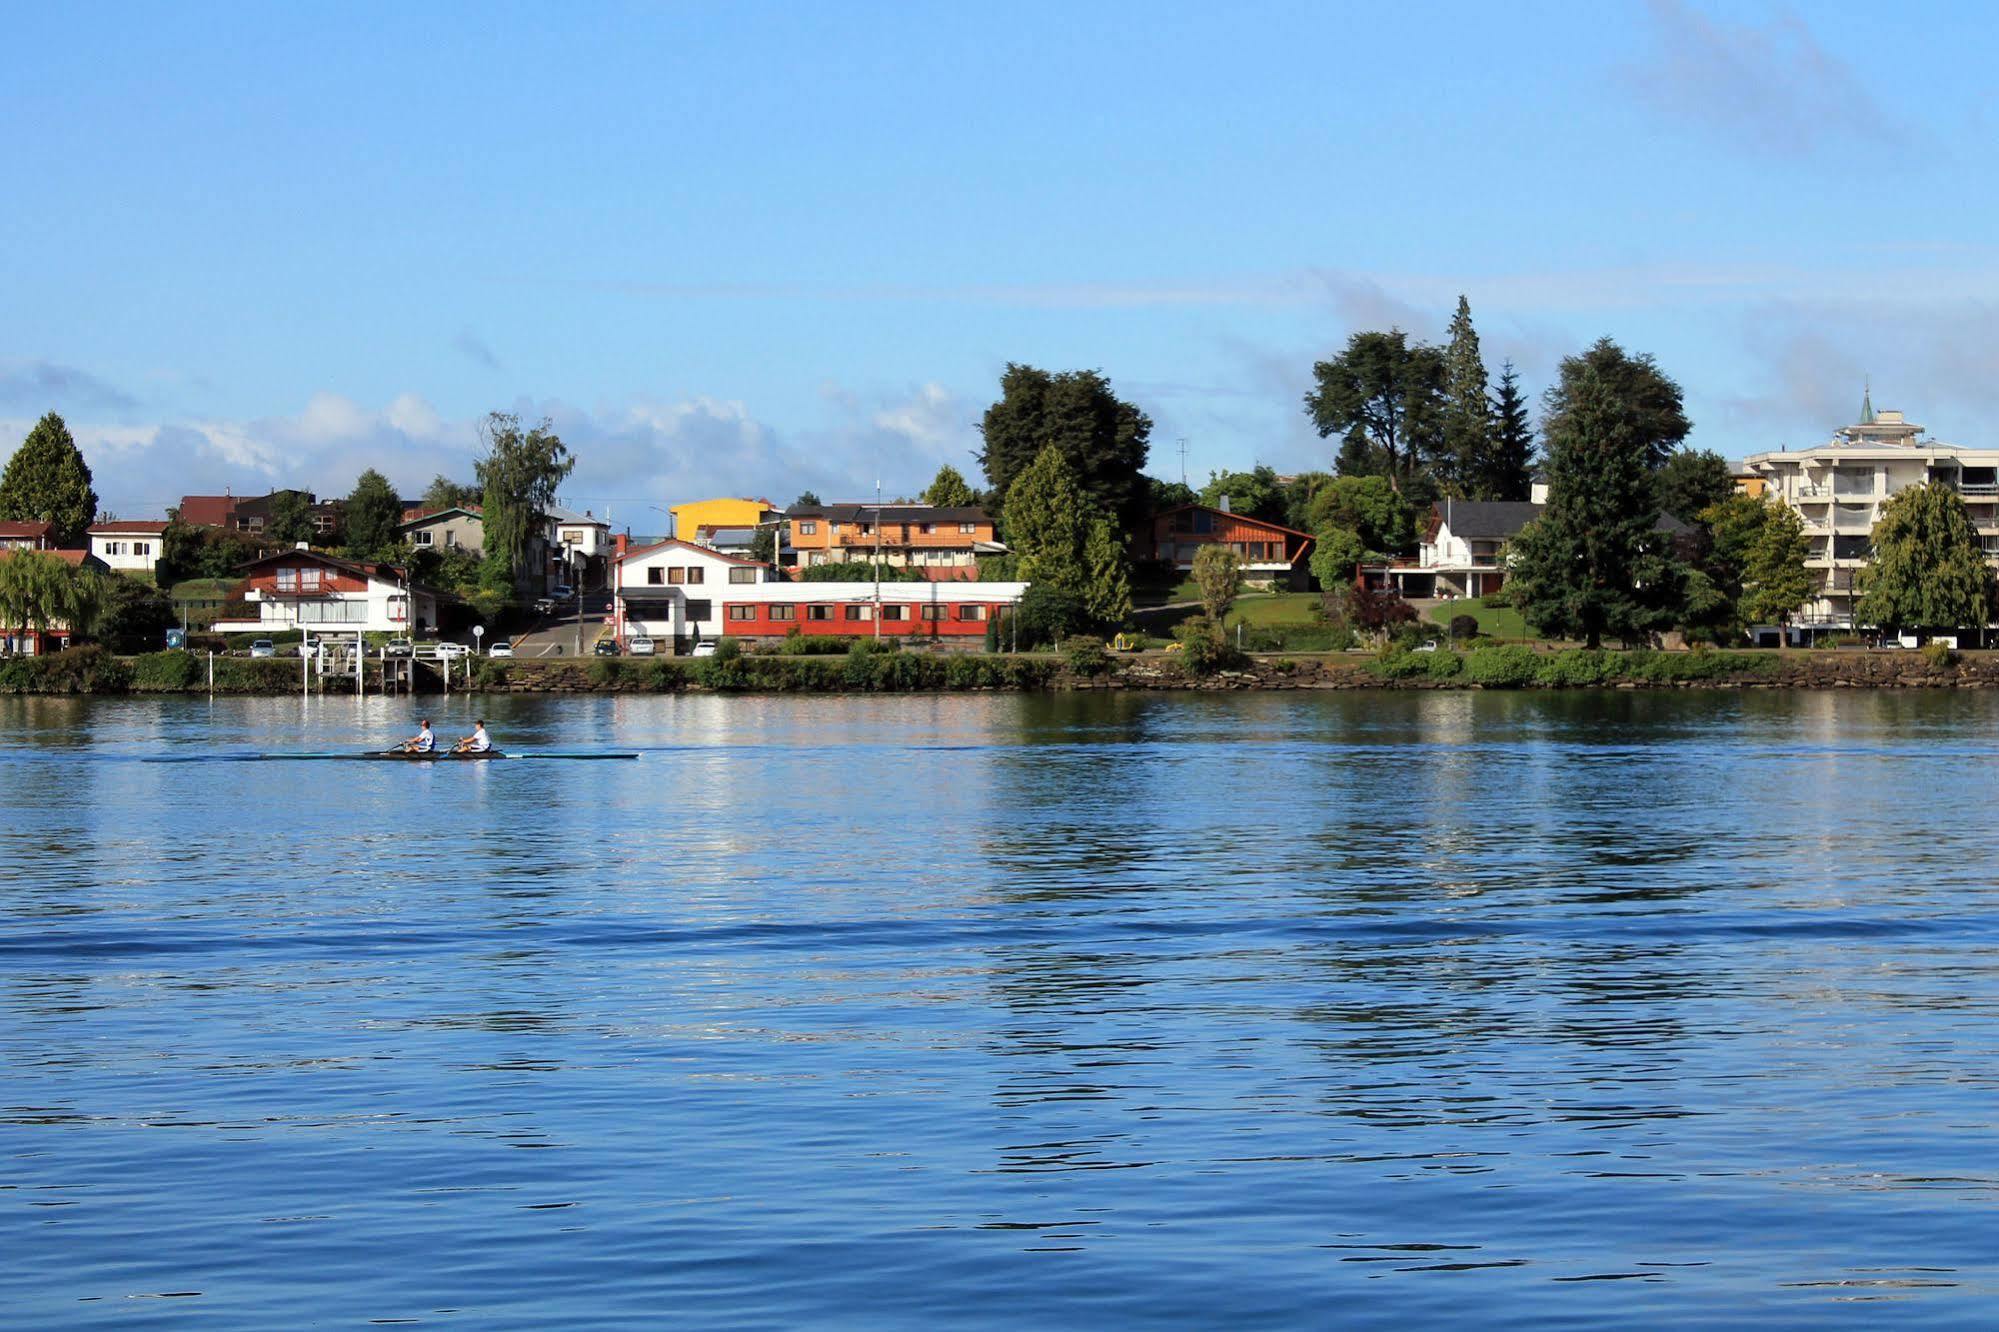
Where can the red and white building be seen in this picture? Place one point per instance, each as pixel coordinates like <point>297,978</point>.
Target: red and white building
<point>308,590</point>
<point>681,593</point>
<point>1268,554</point>
<point>130,546</point>
<point>25,536</point>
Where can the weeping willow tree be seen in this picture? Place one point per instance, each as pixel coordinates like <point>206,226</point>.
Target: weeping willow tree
<point>517,480</point>
<point>43,593</point>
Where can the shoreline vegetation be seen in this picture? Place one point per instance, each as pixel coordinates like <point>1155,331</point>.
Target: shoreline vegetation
<point>93,671</point>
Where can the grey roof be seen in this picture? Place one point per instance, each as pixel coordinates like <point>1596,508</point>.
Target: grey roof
<point>731,536</point>
<point>1488,519</point>
<point>556,514</point>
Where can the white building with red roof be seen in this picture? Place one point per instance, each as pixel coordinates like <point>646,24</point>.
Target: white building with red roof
<point>132,546</point>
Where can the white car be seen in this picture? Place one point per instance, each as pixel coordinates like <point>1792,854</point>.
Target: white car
<point>452,651</point>
<point>501,649</point>
<point>262,648</point>
<point>705,648</point>
<point>643,647</point>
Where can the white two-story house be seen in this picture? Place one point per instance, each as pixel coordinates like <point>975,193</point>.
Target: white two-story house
<point>129,546</point>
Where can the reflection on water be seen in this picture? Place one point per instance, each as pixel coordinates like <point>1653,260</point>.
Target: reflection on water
<point>1014,1011</point>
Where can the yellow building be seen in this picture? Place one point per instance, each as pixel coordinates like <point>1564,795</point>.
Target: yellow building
<point>691,518</point>
<point>1750,484</point>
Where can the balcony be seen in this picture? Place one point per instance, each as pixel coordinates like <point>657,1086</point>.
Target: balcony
<point>1979,490</point>
<point>1814,492</point>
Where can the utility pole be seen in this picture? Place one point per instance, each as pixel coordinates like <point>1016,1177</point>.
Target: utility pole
<point>1183,461</point>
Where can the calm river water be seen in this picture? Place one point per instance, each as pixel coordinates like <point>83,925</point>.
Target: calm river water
<point>1332,1010</point>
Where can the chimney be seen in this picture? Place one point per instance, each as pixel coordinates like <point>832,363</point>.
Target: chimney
<point>302,545</point>
<point>1225,505</point>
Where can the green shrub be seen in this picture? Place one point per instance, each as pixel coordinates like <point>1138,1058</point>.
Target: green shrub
<point>1495,600</point>
<point>727,649</point>
<point>665,674</point>
<point>606,670</point>
<point>1507,667</point>
<point>1203,650</point>
<point>1085,655</point>
<point>1464,628</point>
<point>723,672</point>
<point>1398,663</point>
<point>1580,668</point>
<point>1937,655</point>
<point>1444,664</point>
<point>79,670</point>
<point>164,672</point>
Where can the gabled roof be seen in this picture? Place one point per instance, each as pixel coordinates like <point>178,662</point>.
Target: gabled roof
<point>385,572</point>
<point>1486,519</point>
<point>1238,517</point>
<point>72,557</point>
<point>24,530</point>
<point>711,553</point>
<point>142,526</point>
<point>207,510</point>
<point>426,515</point>
<point>573,518</point>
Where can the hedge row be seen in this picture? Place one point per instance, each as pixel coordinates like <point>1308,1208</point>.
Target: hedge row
<point>857,672</point>
<point>1514,667</point>
<point>92,670</point>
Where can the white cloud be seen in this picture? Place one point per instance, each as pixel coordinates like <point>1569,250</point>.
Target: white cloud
<point>629,456</point>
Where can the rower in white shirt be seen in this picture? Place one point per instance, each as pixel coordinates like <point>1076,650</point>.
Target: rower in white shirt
<point>476,743</point>
<point>422,742</point>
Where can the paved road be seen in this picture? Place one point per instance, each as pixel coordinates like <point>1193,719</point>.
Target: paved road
<point>556,635</point>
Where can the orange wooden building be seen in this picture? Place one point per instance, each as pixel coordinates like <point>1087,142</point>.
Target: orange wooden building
<point>1271,553</point>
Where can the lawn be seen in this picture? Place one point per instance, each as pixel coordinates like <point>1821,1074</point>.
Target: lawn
<point>1285,610</point>
<point>1502,622</point>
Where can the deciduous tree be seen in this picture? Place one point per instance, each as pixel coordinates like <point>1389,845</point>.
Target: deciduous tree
<point>1104,439</point>
<point>1928,572</point>
<point>1046,522</point>
<point>1218,575</point>
<point>1107,575</point>
<point>1691,481</point>
<point>1384,397</point>
<point>1776,582</point>
<point>1370,508</point>
<point>1256,492</point>
<point>517,480</point>
<point>444,493</point>
<point>291,517</point>
<point>48,481</point>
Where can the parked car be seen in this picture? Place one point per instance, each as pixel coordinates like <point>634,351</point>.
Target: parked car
<point>705,648</point>
<point>501,649</point>
<point>398,647</point>
<point>452,651</point>
<point>262,648</point>
<point>562,591</point>
<point>543,605</point>
<point>1427,645</point>
<point>643,646</point>
<point>607,647</point>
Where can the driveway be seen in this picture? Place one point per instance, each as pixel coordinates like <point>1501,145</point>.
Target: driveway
<point>556,635</point>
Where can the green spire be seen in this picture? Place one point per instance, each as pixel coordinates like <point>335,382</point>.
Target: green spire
<point>1867,403</point>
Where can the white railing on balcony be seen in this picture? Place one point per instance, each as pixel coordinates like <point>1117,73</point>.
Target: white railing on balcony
<point>1979,490</point>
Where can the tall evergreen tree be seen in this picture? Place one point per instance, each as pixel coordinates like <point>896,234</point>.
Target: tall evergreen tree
<point>1104,439</point>
<point>949,490</point>
<point>1467,414</point>
<point>1691,481</point>
<point>373,513</point>
<point>1384,397</point>
<point>1046,522</point>
<point>1507,470</point>
<point>1927,572</point>
<point>1594,564</point>
<point>1650,402</point>
<point>1107,575</point>
<point>48,481</point>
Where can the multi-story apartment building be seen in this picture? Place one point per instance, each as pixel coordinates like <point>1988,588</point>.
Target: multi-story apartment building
<point>1839,488</point>
<point>942,543</point>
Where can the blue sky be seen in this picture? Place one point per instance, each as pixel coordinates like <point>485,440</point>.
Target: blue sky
<point>764,247</point>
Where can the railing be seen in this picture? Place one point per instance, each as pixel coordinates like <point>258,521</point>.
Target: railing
<point>1814,492</point>
<point>1979,490</point>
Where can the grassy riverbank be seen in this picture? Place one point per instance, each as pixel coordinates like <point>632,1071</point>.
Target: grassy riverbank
<point>91,670</point>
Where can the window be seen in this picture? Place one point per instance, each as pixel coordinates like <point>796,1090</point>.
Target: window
<point>308,580</point>
<point>288,580</point>
<point>971,612</point>
<point>933,612</point>
<point>851,613</point>
<point>420,538</point>
<point>742,575</point>
<point>655,576</point>
<point>697,574</point>
<point>784,612</point>
<point>140,548</point>
<point>818,612</point>
<point>968,529</point>
<point>676,575</point>
<point>808,529</point>
<point>927,529</point>
<point>700,610</point>
<point>895,612</point>
<point>864,529</point>
<point>742,612</point>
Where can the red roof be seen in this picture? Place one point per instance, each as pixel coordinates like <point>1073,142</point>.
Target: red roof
<point>19,530</point>
<point>1238,517</point>
<point>418,515</point>
<point>76,557</point>
<point>207,510</point>
<point>146,526</point>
